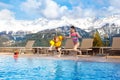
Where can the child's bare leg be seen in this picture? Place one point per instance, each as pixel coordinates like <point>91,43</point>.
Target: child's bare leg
<point>59,50</point>
<point>76,46</point>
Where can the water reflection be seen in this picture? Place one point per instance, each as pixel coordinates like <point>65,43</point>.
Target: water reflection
<point>47,69</point>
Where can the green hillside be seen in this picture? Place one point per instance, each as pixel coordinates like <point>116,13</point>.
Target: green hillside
<point>41,39</point>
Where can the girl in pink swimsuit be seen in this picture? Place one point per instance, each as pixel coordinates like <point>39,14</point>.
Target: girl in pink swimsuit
<point>74,35</point>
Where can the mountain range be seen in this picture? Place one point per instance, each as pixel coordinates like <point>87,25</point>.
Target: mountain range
<point>10,34</point>
<point>40,24</point>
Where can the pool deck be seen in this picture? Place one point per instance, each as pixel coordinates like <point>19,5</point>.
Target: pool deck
<point>69,57</point>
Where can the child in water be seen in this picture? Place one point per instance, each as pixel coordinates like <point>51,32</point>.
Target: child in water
<point>56,42</point>
<point>75,37</point>
<point>16,55</point>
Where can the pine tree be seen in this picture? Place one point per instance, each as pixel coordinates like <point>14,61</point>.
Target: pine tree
<point>97,40</point>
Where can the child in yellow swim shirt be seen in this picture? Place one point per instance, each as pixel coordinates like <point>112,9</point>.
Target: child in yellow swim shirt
<point>56,42</point>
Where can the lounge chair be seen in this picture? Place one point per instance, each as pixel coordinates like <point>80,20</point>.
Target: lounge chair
<point>115,46</point>
<point>86,45</point>
<point>69,45</point>
<point>28,47</point>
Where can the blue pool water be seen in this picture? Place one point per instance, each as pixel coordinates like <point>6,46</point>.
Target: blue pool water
<point>49,69</point>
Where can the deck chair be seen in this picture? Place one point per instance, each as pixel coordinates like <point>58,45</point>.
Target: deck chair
<point>86,45</point>
<point>115,45</point>
<point>69,45</point>
<point>28,47</point>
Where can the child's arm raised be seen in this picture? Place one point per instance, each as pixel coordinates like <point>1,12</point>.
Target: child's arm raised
<point>68,36</point>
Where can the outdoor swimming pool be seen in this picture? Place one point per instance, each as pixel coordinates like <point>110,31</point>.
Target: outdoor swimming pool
<point>51,69</point>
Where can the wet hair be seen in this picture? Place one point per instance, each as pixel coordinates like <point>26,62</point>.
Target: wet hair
<point>72,27</point>
<point>55,37</point>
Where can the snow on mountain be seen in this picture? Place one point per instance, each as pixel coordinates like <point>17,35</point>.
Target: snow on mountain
<point>42,24</point>
<point>108,20</point>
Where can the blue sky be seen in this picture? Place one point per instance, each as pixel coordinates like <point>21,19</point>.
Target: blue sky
<point>56,9</point>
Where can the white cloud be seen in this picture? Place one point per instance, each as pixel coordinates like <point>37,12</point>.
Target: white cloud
<point>46,8</point>
<point>76,12</point>
<point>76,2</point>
<point>115,3</point>
<point>89,13</point>
<point>6,14</point>
<point>51,10</point>
<point>31,6</point>
<point>108,8</point>
<point>114,7</point>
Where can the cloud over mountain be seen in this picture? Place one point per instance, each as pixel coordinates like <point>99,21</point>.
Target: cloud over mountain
<point>52,10</point>
<point>34,15</point>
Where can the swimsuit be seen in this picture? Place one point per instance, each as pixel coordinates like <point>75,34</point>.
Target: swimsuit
<point>74,37</point>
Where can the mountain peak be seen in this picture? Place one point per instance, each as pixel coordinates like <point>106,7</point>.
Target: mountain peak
<point>42,23</point>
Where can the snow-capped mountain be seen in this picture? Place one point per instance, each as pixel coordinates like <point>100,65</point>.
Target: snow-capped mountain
<point>110,20</point>
<point>65,30</point>
<point>19,28</point>
<point>109,29</point>
<point>109,26</point>
<point>41,37</point>
<point>41,24</point>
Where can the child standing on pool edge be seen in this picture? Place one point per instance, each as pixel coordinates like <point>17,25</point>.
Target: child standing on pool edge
<point>75,37</point>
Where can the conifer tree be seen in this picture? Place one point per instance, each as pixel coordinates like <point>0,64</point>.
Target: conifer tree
<point>97,40</point>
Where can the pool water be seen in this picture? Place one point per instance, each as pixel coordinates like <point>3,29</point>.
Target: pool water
<point>52,69</point>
